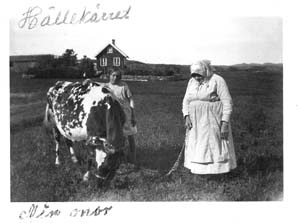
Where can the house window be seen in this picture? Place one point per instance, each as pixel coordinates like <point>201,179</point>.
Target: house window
<point>116,61</point>
<point>110,50</point>
<point>103,62</point>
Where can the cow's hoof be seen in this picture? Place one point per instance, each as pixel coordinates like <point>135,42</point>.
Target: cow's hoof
<point>85,177</point>
<point>57,163</point>
<point>74,159</point>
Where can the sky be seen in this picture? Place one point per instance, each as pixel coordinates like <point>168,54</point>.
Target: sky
<point>154,32</point>
<point>168,32</point>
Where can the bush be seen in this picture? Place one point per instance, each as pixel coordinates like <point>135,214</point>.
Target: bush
<point>167,70</point>
<point>55,72</point>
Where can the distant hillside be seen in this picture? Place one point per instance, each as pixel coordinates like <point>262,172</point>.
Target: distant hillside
<point>145,69</point>
<point>134,62</point>
<point>257,64</point>
<point>254,67</point>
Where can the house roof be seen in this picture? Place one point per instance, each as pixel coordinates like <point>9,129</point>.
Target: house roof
<point>115,47</point>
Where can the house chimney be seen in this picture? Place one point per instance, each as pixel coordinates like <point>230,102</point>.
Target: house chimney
<point>113,41</point>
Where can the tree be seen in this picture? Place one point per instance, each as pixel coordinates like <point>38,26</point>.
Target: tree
<point>69,58</point>
<point>87,67</point>
<point>64,66</point>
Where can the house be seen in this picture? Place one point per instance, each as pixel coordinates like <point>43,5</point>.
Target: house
<point>22,63</point>
<point>110,57</point>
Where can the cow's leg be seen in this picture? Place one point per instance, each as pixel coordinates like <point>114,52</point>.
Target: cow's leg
<point>57,135</point>
<point>89,165</point>
<point>132,150</point>
<point>86,176</point>
<point>70,145</point>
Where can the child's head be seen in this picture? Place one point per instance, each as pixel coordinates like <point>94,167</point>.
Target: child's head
<point>115,76</point>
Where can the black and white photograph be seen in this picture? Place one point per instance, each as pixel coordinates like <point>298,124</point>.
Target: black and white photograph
<point>144,101</point>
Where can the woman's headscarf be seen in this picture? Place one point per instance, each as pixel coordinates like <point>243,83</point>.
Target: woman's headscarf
<point>202,65</point>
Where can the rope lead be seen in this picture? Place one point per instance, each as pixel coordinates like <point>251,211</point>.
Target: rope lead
<point>176,164</point>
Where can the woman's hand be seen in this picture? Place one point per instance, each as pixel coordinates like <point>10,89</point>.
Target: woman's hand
<point>188,122</point>
<point>224,130</point>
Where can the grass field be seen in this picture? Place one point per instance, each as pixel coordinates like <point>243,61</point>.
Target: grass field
<point>257,123</point>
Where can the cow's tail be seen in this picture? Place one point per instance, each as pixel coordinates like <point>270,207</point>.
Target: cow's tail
<point>48,122</point>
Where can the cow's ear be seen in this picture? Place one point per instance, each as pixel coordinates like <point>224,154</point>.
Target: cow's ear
<point>105,90</point>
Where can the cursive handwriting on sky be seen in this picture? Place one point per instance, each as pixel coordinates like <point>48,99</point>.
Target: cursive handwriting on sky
<point>37,16</point>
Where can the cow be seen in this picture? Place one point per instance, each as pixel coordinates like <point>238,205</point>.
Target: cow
<point>87,113</point>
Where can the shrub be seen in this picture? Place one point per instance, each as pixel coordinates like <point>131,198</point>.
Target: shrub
<point>55,72</point>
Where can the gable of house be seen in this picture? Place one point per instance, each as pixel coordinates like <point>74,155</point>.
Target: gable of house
<point>109,57</point>
<point>111,49</point>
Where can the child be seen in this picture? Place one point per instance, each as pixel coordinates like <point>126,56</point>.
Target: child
<point>124,95</point>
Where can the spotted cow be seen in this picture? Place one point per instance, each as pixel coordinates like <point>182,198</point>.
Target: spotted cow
<point>89,113</point>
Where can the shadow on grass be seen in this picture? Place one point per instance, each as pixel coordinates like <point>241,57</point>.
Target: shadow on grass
<point>164,158</point>
<point>161,159</point>
<point>263,164</point>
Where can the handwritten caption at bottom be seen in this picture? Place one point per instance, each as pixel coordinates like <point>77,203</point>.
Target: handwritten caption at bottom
<point>36,211</point>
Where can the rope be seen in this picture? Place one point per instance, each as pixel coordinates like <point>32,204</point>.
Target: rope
<point>176,164</point>
<point>174,167</point>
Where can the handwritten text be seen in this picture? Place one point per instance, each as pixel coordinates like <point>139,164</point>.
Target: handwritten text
<point>45,212</point>
<point>36,16</point>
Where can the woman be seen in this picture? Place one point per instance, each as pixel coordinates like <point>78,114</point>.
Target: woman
<point>124,95</point>
<point>207,106</point>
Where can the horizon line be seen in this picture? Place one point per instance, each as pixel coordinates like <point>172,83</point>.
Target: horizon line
<point>241,63</point>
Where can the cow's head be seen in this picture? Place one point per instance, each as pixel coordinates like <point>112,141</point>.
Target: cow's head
<point>105,129</point>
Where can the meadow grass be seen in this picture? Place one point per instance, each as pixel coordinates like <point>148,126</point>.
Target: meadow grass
<point>257,130</point>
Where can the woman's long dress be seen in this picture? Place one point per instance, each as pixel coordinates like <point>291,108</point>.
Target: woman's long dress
<point>207,104</point>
